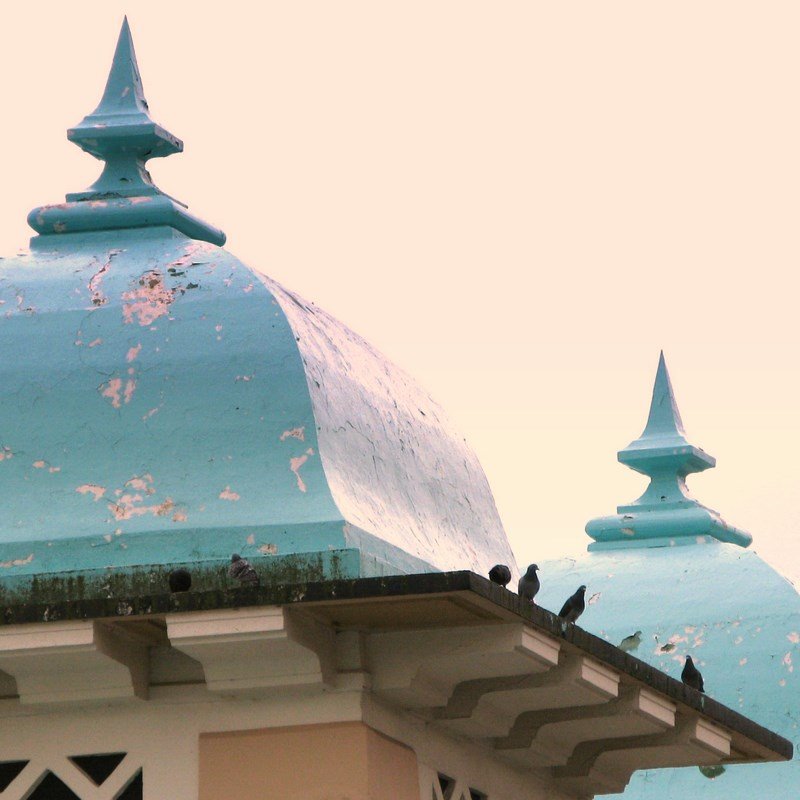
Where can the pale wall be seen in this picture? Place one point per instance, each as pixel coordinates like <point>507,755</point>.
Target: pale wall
<point>307,762</point>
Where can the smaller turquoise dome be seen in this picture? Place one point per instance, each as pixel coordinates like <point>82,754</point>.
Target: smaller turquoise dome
<point>672,570</point>
<point>736,617</point>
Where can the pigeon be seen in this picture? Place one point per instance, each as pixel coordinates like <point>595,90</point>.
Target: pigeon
<point>574,606</point>
<point>691,675</point>
<point>631,642</point>
<point>500,574</point>
<point>529,585</point>
<point>180,580</point>
<point>241,570</point>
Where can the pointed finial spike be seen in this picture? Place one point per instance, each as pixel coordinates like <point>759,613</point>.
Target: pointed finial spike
<point>120,129</point>
<point>124,91</point>
<point>666,511</point>
<point>664,418</point>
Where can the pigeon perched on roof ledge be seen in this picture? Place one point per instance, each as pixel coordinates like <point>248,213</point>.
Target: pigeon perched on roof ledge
<point>180,580</point>
<point>574,606</point>
<point>500,574</point>
<point>529,585</point>
<point>691,675</point>
<point>241,570</point>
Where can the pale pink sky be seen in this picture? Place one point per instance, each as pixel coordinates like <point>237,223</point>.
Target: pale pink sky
<point>520,203</point>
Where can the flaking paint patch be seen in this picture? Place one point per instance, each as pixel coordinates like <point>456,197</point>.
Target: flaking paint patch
<point>95,285</point>
<point>95,342</point>
<point>188,258</point>
<point>111,391</point>
<point>93,489</point>
<point>227,494</point>
<point>794,637</point>
<point>296,463</point>
<point>268,549</point>
<point>294,433</point>
<point>114,391</point>
<point>148,302</point>
<point>130,388</point>
<point>141,484</point>
<point>128,506</point>
<point>17,562</point>
<point>133,353</point>
<point>6,453</point>
<point>130,499</point>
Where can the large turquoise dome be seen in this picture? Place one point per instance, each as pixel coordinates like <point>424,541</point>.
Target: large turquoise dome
<point>163,403</point>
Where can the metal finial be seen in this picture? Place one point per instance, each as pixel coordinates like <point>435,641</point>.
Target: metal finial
<point>121,133</point>
<point>666,510</point>
<point>663,447</point>
<point>664,417</point>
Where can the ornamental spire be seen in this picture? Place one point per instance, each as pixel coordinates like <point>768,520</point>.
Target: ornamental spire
<point>664,416</point>
<point>666,513</point>
<point>121,133</point>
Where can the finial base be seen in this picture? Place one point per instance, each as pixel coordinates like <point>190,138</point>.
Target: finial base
<point>637,527</point>
<point>122,212</point>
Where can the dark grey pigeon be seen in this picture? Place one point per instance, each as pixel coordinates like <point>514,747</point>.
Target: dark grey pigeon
<point>241,570</point>
<point>574,606</point>
<point>180,580</point>
<point>691,675</point>
<point>500,574</point>
<point>529,585</point>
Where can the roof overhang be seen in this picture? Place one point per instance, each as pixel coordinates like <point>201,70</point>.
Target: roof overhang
<point>463,654</point>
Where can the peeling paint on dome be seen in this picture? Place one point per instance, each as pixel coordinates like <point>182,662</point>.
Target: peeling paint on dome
<point>17,562</point>
<point>289,429</point>
<point>294,433</point>
<point>296,463</point>
<point>89,488</point>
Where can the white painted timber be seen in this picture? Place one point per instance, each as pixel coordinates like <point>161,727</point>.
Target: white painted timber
<point>497,703</point>
<point>422,668</point>
<point>75,661</point>
<point>254,647</point>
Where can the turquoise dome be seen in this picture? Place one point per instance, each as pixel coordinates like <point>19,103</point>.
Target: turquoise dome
<point>676,573</point>
<point>736,617</point>
<point>163,403</point>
